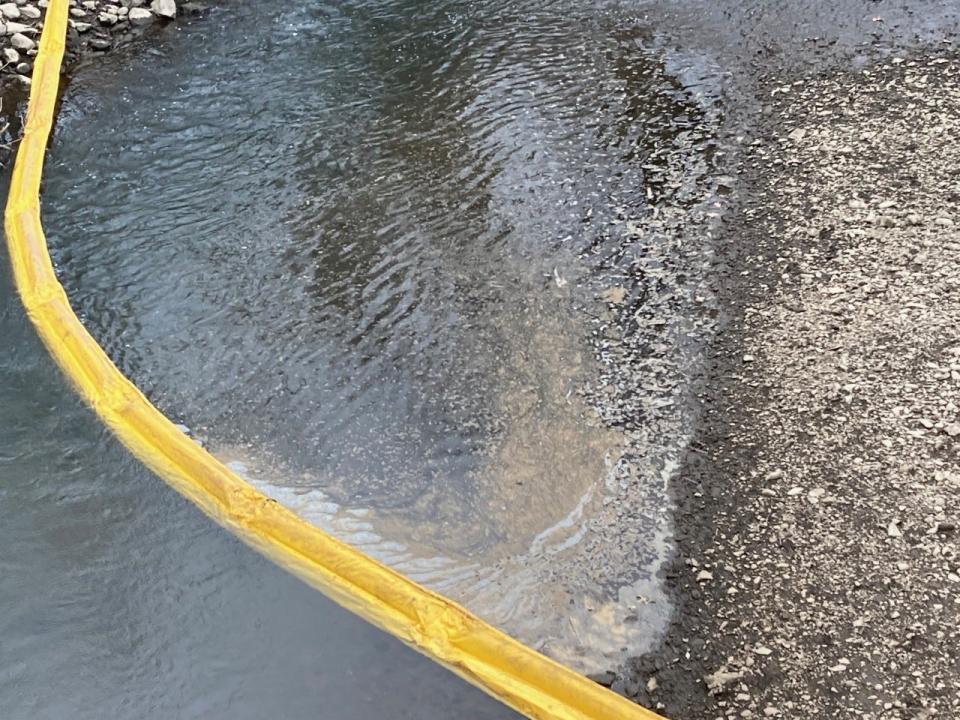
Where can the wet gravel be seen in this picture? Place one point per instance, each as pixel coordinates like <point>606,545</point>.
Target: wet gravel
<point>94,27</point>
<point>817,567</point>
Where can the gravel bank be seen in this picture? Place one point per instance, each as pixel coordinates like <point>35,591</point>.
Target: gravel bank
<point>818,562</point>
<point>95,26</point>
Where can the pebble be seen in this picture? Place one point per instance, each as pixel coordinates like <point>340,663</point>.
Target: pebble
<point>164,8</point>
<point>22,42</point>
<point>140,16</point>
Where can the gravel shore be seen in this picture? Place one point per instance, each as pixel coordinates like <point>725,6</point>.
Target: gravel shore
<point>817,566</point>
<point>95,26</point>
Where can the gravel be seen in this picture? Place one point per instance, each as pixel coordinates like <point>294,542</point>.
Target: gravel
<point>818,562</point>
<point>94,26</point>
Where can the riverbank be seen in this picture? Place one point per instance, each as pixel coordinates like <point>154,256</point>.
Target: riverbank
<point>817,563</point>
<point>96,26</point>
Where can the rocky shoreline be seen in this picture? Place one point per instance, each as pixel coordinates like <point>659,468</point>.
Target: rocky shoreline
<point>95,26</point>
<point>818,558</point>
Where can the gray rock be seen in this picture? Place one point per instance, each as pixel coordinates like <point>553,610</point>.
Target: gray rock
<point>14,27</point>
<point>22,42</point>
<point>10,10</point>
<point>11,56</point>
<point>29,11</point>
<point>164,8</point>
<point>140,16</point>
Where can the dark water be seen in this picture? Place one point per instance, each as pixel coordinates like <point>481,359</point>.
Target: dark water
<point>348,244</point>
<point>342,235</point>
<point>120,600</point>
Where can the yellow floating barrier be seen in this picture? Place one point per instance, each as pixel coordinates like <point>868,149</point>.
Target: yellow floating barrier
<point>441,629</point>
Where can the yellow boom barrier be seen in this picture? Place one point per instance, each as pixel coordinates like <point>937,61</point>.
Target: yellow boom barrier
<point>439,628</point>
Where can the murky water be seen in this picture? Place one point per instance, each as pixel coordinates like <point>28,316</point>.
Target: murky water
<point>351,246</point>
<point>120,600</point>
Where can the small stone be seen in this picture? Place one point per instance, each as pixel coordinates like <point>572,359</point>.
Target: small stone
<point>748,358</point>
<point>82,27</point>
<point>24,68</point>
<point>107,18</point>
<point>140,16</point>
<point>100,43</point>
<point>11,56</point>
<point>953,429</point>
<point>31,12</point>
<point>10,10</point>
<point>78,12</point>
<point>794,491</point>
<point>23,79</point>
<point>652,684</point>
<point>716,680</point>
<point>164,8</point>
<point>13,27</point>
<point>614,295</point>
<point>814,495</point>
<point>771,711</point>
<point>763,650</point>
<point>773,475</point>
<point>604,678</point>
<point>704,576</point>
<point>22,42</point>
<point>894,531</point>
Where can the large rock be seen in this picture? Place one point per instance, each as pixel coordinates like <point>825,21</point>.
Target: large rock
<point>164,8</point>
<point>140,16</point>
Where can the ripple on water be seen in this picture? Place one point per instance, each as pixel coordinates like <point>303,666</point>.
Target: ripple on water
<point>349,253</point>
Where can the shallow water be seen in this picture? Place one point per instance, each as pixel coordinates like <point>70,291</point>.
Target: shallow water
<point>118,599</point>
<point>350,245</point>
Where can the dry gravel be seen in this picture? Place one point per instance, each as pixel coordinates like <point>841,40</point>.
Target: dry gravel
<point>818,569</point>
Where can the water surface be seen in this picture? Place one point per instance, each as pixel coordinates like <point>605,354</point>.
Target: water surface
<point>354,247</point>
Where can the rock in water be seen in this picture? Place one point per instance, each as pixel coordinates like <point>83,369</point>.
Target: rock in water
<point>164,8</point>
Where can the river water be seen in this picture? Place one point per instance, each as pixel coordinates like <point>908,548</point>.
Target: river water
<point>431,274</point>
<point>359,249</point>
<point>118,599</point>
